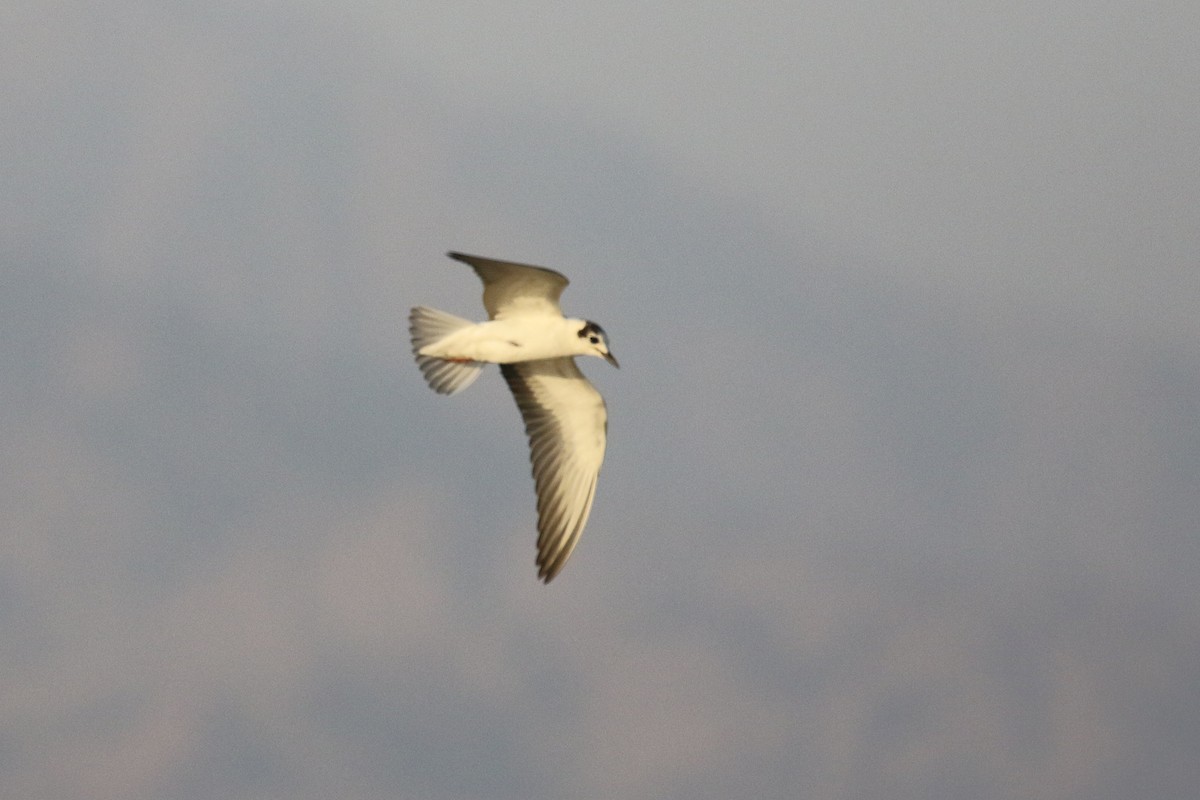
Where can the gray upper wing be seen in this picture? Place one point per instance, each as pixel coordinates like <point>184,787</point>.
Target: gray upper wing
<point>511,288</point>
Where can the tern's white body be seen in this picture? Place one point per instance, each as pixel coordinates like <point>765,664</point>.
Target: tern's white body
<point>528,337</point>
<point>565,417</point>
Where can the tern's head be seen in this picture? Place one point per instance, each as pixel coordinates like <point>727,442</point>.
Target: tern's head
<point>595,342</point>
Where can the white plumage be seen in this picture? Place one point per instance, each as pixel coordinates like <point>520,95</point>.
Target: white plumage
<point>565,417</point>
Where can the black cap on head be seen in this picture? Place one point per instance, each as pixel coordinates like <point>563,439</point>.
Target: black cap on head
<point>590,328</point>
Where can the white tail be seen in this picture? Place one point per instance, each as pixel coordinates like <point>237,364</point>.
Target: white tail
<point>428,325</point>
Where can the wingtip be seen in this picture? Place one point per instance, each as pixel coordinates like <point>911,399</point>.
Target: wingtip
<point>468,259</point>
<point>548,568</point>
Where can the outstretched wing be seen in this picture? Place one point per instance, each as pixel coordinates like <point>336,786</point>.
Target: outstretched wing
<point>567,424</point>
<point>510,288</point>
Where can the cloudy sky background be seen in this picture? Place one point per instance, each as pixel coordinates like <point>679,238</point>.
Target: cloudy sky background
<point>902,497</point>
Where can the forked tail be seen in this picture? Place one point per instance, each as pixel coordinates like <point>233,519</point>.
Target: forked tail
<point>428,325</point>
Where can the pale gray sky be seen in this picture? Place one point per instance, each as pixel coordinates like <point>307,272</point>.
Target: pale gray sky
<point>903,485</point>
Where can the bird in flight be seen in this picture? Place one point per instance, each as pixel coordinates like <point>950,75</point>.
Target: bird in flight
<point>535,346</point>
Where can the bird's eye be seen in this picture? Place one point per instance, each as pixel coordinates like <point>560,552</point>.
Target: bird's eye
<point>594,340</point>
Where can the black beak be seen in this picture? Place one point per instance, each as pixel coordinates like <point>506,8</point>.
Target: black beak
<point>610,358</point>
